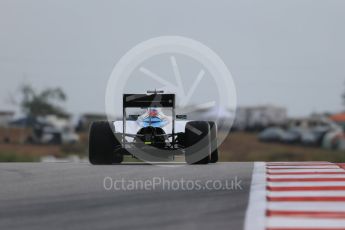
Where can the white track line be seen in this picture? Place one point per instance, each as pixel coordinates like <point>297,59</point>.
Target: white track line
<point>305,167</point>
<point>304,184</point>
<point>298,162</point>
<point>306,194</point>
<point>307,176</point>
<point>307,206</point>
<point>286,222</point>
<point>256,211</point>
<point>304,170</point>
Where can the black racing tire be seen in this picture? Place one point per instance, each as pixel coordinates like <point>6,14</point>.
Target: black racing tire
<point>214,142</point>
<point>197,139</point>
<point>102,144</point>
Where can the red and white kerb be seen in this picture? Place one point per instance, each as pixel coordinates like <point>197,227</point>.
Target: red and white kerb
<point>297,196</point>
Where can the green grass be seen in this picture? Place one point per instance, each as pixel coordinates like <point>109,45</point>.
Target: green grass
<point>17,157</point>
<point>240,146</point>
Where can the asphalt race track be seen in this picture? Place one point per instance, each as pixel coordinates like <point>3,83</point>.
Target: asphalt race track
<point>72,196</point>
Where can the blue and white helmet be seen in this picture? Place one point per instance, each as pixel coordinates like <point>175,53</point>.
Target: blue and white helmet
<point>153,117</point>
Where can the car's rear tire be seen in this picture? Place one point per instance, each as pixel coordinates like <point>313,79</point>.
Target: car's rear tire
<point>197,139</point>
<point>214,142</point>
<point>102,144</point>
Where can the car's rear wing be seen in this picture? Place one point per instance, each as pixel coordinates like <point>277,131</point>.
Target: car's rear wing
<point>148,100</point>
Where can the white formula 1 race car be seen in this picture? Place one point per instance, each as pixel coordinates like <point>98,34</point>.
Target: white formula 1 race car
<point>152,136</point>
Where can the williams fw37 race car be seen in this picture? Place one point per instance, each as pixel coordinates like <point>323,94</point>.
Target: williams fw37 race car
<point>152,136</point>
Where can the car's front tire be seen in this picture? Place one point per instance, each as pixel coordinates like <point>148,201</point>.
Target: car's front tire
<point>102,144</point>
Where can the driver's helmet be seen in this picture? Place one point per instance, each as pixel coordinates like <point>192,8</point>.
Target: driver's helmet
<point>153,117</point>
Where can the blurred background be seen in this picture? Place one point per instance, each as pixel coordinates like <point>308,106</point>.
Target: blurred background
<point>286,58</point>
